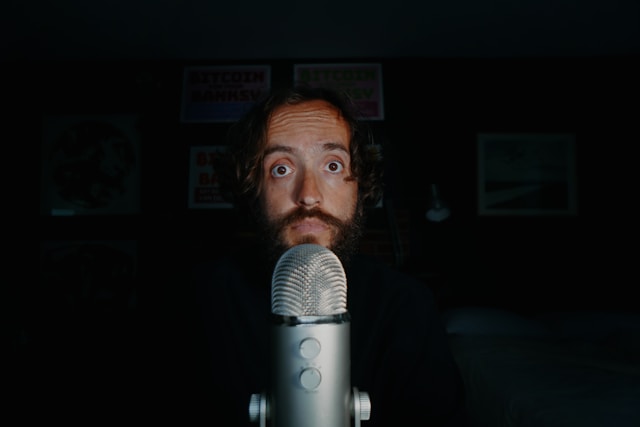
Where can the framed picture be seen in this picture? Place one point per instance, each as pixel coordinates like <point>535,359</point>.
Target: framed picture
<point>205,190</point>
<point>363,83</point>
<point>90,165</point>
<point>221,94</point>
<point>526,174</point>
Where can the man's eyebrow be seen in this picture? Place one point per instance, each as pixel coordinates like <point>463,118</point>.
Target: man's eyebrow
<point>327,146</point>
<point>278,148</point>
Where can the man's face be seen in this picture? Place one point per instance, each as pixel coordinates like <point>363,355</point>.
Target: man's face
<point>307,194</point>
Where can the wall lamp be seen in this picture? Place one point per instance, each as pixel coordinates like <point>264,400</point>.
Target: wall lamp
<point>438,210</point>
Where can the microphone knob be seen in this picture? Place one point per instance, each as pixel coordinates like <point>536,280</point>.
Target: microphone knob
<point>365,406</point>
<point>361,406</point>
<point>258,409</point>
<point>310,378</point>
<point>254,407</point>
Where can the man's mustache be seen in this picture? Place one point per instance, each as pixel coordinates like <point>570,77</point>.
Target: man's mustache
<point>300,213</point>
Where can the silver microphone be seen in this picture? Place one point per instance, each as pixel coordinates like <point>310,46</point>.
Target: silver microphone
<point>309,383</point>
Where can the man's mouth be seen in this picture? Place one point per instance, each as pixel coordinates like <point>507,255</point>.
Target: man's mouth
<point>309,226</point>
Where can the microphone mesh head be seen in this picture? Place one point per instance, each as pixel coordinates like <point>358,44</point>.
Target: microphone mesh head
<point>308,280</point>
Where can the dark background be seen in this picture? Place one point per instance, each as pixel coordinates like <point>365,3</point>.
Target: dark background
<point>449,73</point>
<point>199,29</point>
<point>434,110</point>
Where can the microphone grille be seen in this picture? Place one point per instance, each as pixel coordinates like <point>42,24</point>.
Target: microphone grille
<point>308,280</point>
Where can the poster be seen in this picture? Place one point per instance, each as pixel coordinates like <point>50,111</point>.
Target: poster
<point>363,82</point>
<point>204,178</point>
<point>94,276</point>
<point>222,93</point>
<point>90,165</point>
<point>527,174</point>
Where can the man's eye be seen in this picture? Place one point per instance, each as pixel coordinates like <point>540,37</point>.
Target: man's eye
<point>335,167</point>
<point>281,170</point>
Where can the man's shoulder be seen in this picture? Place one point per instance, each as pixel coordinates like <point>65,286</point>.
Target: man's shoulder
<point>369,266</point>
<point>373,274</point>
<point>213,264</point>
<point>235,259</point>
<point>235,269</point>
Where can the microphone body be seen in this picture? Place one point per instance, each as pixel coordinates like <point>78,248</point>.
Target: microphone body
<point>310,378</point>
<point>309,381</point>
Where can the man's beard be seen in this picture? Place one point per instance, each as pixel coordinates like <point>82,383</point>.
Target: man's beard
<point>344,244</point>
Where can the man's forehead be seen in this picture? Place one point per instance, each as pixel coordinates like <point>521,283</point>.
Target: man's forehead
<point>309,122</point>
<point>306,112</point>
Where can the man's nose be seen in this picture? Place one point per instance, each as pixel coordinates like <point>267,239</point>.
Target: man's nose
<point>308,191</point>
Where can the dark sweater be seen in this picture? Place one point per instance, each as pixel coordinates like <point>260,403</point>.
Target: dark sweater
<point>215,346</point>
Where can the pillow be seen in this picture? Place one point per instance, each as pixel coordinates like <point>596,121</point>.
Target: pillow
<point>491,321</point>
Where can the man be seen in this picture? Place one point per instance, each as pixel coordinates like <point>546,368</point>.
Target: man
<point>307,169</point>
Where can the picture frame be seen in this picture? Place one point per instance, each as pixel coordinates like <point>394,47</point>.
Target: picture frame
<point>90,164</point>
<point>527,174</point>
<point>222,93</point>
<point>363,82</point>
<point>205,190</point>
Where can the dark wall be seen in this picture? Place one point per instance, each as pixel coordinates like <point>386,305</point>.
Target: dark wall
<point>434,109</point>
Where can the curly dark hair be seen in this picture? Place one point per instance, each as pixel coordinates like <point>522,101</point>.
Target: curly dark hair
<point>248,138</point>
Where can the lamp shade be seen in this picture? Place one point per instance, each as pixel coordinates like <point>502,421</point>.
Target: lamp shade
<point>438,210</point>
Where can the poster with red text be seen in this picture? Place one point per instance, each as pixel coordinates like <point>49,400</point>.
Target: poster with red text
<point>204,178</point>
<point>222,93</point>
<point>363,82</point>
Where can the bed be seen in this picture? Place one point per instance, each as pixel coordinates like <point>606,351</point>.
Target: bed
<point>549,369</point>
